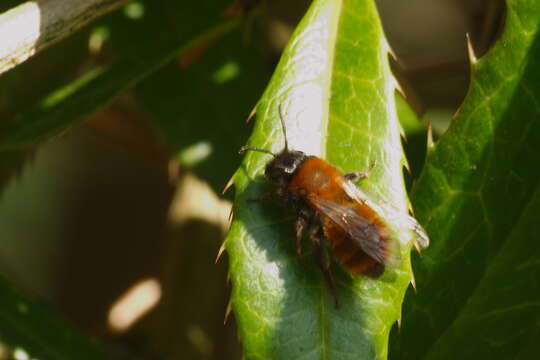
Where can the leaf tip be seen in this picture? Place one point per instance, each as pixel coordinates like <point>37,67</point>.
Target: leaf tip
<point>470,50</point>
<point>252,113</point>
<point>220,252</point>
<point>417,247</point>
<point>227,312</point>
<point>410,208</point>
<point>413,282</point>
<point>400,90</point>
<point>430,142</point>
<point>392,54</point>
<point>389,50</point>
<point>407,166</point>
<point>456,115</point>
<point>231,213</point>
<point>402,133</point>
<point>229,184</point>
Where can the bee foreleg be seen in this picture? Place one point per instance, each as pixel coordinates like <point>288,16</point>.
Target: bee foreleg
<point>323,259</point>
<point>358,175</point>
<point>353,176</point>
<point>299,228</point>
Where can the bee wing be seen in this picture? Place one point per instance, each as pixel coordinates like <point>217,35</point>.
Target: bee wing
<point>421,238</point>
<point>361,230</point>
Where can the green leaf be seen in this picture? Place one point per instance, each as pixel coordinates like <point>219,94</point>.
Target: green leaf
<point>337,93</point>
<point>408,118</point>
<point>193,110</point>
<point>94,89</point>
<point>478,292</point>
<point>29,327</point>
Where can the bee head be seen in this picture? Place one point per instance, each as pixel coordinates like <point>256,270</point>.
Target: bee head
<point>281,168</point>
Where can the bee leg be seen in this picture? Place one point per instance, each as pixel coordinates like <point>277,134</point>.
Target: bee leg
<point>299,227</point>
<point>358,175</point>
<point>323,259</point>
<point>354,176</point>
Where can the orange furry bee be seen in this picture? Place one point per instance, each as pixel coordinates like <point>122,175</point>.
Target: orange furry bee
<point>335,214</point>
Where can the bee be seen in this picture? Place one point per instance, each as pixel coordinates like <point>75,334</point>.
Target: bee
<point>335,214</point>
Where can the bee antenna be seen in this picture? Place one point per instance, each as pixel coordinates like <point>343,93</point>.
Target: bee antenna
<point>243,149</point>
<point>282,119</point>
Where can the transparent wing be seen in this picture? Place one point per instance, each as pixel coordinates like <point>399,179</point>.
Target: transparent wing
<point>391,213</point>
<point>421,240</point>
<point>362,231</point>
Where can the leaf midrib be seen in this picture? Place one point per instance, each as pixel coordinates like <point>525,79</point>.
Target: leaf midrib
<point>332,39</point>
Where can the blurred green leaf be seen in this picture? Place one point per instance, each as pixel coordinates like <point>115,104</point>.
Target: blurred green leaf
<point>19,89</point>
<point>25,324</point>
<point>157,47</point>
<point>337,92</point>
<point>408,118</point>
<point>478,294</point>
<point>200,110</point>
<point>28,326</point>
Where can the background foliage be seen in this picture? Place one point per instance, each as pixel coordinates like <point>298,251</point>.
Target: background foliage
<point>103,135</point>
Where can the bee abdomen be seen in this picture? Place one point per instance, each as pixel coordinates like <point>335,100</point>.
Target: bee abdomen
<point>350,256</point>
<point>361,263</point>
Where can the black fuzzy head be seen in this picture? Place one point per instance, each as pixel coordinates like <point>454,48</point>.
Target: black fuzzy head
<point>280,170</point>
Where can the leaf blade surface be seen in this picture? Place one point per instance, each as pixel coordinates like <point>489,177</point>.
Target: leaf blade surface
<point>337,93</point>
